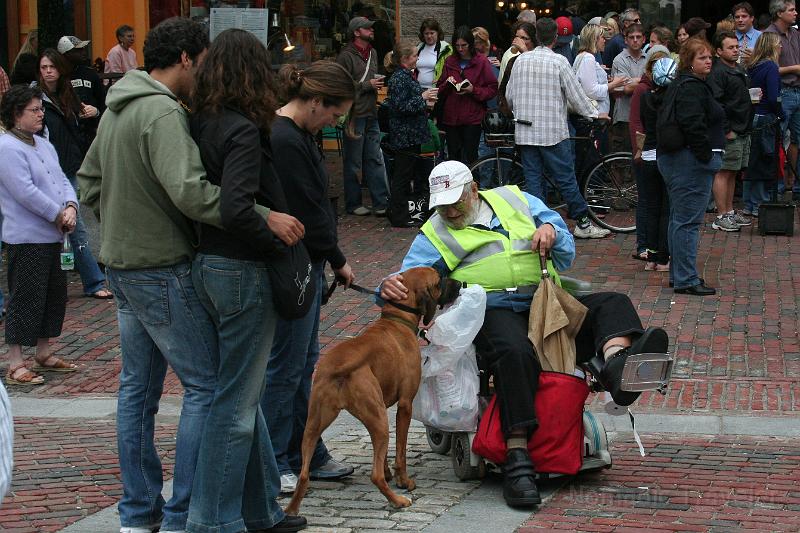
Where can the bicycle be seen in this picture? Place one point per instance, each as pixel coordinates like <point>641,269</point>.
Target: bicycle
<point>605,181</point>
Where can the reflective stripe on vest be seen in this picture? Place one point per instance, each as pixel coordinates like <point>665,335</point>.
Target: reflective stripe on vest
<point>489,258</point>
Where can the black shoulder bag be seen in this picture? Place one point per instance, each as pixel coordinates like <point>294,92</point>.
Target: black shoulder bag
<point>669,136</point>
<point>293,282</point>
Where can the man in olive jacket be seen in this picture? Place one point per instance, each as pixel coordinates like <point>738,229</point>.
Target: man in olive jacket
<point>144,178</point>
<point>361,61</point>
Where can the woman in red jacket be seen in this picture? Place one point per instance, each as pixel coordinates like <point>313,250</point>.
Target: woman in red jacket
<point>465,102</point>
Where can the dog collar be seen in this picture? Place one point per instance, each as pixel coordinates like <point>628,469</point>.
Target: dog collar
<point>413,327</point>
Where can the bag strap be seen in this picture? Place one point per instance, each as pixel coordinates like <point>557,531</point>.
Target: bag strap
<point>366,69</point>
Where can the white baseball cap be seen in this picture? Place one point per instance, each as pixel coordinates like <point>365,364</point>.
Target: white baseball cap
<point>68,42</point>
<point>447,182</point>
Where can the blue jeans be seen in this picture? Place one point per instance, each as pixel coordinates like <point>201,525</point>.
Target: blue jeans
<point>755,193</point>
<point>92,278</point>
<point>790,103</point>
<point>161,321</point>
<point>364,153</point>
<point>559,163</point>
<point>236,470</point>
<point>688,184</point>
<point>295,351</point>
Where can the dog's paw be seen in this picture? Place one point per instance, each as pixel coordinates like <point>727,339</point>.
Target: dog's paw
<point>402,501</point>
<point>409,484</point>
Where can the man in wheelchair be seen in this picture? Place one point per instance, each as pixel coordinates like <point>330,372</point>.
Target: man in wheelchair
<point>491,238</point>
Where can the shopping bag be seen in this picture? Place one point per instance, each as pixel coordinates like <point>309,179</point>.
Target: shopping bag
<point>556,445</point>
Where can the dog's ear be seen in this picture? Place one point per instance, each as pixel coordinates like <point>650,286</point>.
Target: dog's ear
<point>428,303</point>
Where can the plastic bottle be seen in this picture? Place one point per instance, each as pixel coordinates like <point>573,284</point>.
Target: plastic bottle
<point>67,257</point>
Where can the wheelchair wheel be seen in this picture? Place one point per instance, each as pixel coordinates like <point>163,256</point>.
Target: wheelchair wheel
<point>438,440</point>
<point>461,457</point>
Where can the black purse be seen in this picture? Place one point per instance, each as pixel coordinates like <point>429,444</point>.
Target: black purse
<point>293,282</point>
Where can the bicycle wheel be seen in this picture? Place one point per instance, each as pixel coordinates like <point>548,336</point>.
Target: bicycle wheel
<point>611,193</point>
<point>497,170</point>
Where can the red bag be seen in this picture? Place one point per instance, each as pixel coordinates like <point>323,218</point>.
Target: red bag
<point>556,447</point>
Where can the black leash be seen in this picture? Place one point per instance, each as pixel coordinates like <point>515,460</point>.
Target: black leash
<point>364,290</point>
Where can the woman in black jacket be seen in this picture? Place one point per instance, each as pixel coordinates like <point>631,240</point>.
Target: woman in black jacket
<point>408,127</point>
<point>235,484</point>
<point>63,113</point>
<point>316,97</point>
<point>689,112</point>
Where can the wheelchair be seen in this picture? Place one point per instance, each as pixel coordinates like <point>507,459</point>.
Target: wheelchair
<point>642,372</point>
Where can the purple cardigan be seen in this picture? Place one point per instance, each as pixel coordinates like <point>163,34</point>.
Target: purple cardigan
<point>33,190</point>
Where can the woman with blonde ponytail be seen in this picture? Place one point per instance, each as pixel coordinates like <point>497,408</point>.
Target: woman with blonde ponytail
<point>408,126</point>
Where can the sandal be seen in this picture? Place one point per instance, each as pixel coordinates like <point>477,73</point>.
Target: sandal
<point>27,377</point>
<point>58,365</point>
<point>102,294</point>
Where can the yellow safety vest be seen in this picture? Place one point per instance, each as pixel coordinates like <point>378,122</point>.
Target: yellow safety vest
<point>489,258</point>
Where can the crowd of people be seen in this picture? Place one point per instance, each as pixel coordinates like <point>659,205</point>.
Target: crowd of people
<point>177,162</point>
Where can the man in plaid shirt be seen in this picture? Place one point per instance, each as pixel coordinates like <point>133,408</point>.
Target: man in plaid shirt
<point>541,89</point>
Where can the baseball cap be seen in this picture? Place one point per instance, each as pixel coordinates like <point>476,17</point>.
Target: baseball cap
<point>447,182</point>
<point>595,21</point>
<point>564,30</point>
<point>664,71</point>
<point>356,23</point>
<point>694,25</point>
<point>68,42</point>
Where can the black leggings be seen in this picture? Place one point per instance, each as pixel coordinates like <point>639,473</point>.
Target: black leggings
<point>508,354</point>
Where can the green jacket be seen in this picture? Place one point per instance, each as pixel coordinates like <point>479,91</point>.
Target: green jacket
<point>443,51</point>
<point>144,179</point>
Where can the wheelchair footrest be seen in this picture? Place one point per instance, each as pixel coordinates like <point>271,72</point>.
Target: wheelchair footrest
<point>647,371</point>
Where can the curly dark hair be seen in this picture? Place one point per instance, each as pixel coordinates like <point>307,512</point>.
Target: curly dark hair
<point>236,73</point>
<point>166,42</point>
<point>63,96</point>
<point>14,102</point>
<point>430,24</point>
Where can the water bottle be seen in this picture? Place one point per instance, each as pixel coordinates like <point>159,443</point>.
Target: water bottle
<point>67,257</point>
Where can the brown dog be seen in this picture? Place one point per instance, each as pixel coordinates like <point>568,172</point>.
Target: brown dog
<point>367,374</point>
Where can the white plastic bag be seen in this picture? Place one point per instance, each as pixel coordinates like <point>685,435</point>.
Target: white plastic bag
<point>448,393</point>
<point>453,331</point>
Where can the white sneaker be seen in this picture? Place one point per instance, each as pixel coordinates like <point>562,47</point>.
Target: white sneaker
<point>147,529</point>
<point>590,232</point>
<point>288,483</point>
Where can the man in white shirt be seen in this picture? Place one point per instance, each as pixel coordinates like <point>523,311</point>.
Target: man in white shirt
<point>122,57</point>
<point>541,88</point>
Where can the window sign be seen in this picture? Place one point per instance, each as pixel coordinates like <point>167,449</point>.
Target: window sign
<point>255,21</point>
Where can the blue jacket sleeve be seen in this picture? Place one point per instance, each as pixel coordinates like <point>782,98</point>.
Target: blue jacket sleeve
<point>563,251</point>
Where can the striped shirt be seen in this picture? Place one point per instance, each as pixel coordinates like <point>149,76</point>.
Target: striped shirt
<point>4,84</point>
<point>542,89</point>
<point>6,442</point>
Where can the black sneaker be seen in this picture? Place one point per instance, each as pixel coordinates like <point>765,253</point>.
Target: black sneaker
<point>289,524</point>
<point>519,481</point>
<point>653,340</point>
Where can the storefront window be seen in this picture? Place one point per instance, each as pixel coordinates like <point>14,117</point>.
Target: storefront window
<point>316,29</point>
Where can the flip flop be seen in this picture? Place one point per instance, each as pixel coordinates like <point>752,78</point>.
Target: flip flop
<point>26,378</point>
<point>98,296</point>
<point>59,366</point>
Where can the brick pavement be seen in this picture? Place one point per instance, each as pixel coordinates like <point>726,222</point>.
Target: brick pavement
<point>736,352</point>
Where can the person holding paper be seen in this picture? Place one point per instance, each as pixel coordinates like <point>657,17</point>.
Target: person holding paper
<point>466,84</point>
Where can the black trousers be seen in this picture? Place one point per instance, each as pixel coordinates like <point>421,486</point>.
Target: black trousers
<point>656,216</point>
<point>508,354</point>
<point>462,143</point>
<point>403,171</point>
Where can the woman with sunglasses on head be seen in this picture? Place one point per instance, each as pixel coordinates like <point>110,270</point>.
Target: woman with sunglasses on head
<point>315,98</point>
<point>63,117</point>
<point>39,206</point>
<point>593,78</point>
<point>466,84</point>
